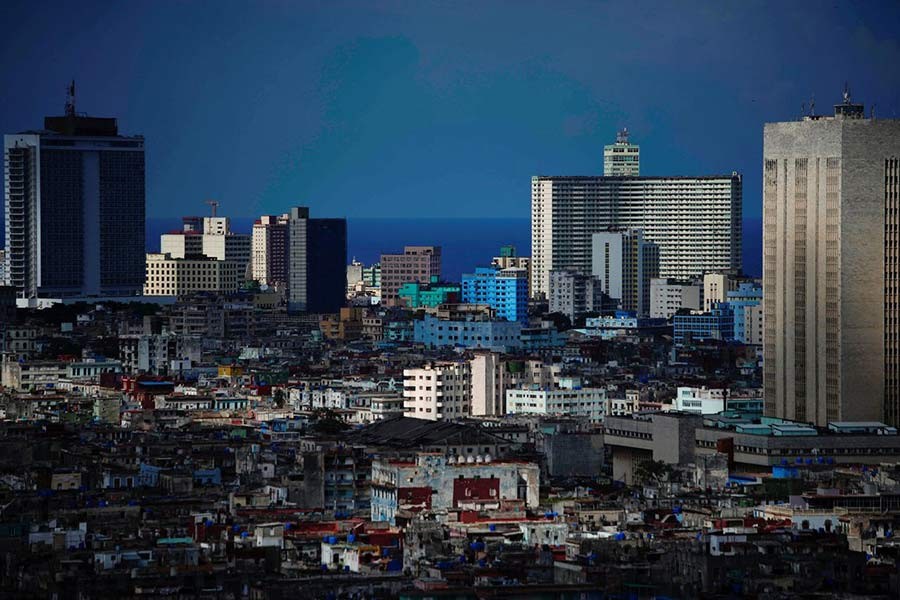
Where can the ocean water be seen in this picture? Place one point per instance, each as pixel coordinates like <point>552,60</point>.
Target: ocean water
<point>465,243</point>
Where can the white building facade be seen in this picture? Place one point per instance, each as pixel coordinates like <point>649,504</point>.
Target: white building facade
<point>695,221</point>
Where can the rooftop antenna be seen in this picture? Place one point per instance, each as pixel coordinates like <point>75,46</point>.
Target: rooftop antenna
<point>812,105</point>
<point>70,99</point>
<point>873,112</point>
<point>214,206</point>
<point>846,93</point>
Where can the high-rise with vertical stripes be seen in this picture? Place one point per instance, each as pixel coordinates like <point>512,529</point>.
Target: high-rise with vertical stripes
<point>831,274</point>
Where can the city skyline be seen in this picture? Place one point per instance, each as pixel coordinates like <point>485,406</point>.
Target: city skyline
<point>479,101</point>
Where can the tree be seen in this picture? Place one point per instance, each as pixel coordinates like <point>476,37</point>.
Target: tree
<point>328,422</point>
<point>652,471</point>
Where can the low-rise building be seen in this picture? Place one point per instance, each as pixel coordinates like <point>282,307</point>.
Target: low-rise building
<point>570,399</point>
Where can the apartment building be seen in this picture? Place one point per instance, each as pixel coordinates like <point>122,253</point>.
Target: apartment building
<point>170,276</point>
<point>269,250</point>
<point>437,392</point>
<point>668,296</point>
<point>415,264</point>
<point>695,221</point>
<point>624,263</point>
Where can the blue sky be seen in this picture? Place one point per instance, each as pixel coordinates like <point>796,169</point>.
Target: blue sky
<point>435,109</point>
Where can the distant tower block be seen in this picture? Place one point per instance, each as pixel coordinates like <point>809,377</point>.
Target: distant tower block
<point>622,159</point>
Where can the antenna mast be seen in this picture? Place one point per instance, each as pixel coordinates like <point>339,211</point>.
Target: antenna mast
<point>70,99</point>
<point>214,206</point>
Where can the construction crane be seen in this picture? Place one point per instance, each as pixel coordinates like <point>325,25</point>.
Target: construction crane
<point>214,205</point>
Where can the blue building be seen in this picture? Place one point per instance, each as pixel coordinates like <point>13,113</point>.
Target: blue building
<point>717,324</point>
<point>504,290</point>
<point>437,333</point>
<point>747,295</point>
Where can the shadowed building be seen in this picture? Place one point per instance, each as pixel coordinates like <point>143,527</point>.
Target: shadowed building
<point>831,275</point>
<point>74,208</point>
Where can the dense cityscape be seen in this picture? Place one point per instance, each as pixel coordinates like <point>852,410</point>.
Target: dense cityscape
<point>618,411</point>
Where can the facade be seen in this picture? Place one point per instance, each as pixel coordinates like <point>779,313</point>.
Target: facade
<point>717,324</point>
<point>269,250</point>
<point>668,296</point>
<point>622,159</point>
<point>490,334</point>
<point>623,324</point>
<point>509,259</point>
<point>570,400</point>
<point>155,353</point>
<point>504,290</point>
<point>437,482</point>
<point>428,295</point>
<point>74,209</point>
<point>624,263</point>
<point>754,332</point>
<point>317,262</point>
<point>716,287</point>
<point>170,276</point>
<point>573,294</point>
<point>743,300</point>
<point>702,400</point>
<point>831,231</point>
<point>695,221</point>
<point>438,391</point>
<point>493,375</point>
<point>417,263</point>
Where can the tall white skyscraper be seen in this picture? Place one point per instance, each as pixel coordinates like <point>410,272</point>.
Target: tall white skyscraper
<point>831,267</point>
<point>622,158</point>
<point>74,208</point>
<point>624,263</point>
<point>695,221</point>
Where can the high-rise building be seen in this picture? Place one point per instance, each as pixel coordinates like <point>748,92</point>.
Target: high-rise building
<point>269,258</point>
<point>416,264</point>
<point>504,290</point>
<point>624,263</point>
<point>317,267</point>
<point>831,275</point>
<point>74,207</point>
<point>695,221</point>
<point>573,294</point>
<point>622,158</point>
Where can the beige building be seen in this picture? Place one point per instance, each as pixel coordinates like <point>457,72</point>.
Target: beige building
<point>492,376</point>
<point>437,392</point>
<point>668,296</point>
<point>269,249</point>
<point>169,276</point>
<point>716,287</point>
<point>508,259</point>
<point>416,264</point>
<point>831,275</point>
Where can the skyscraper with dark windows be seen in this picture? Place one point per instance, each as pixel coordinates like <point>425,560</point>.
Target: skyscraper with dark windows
<point>317,263</point>
<point>75,208</point>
